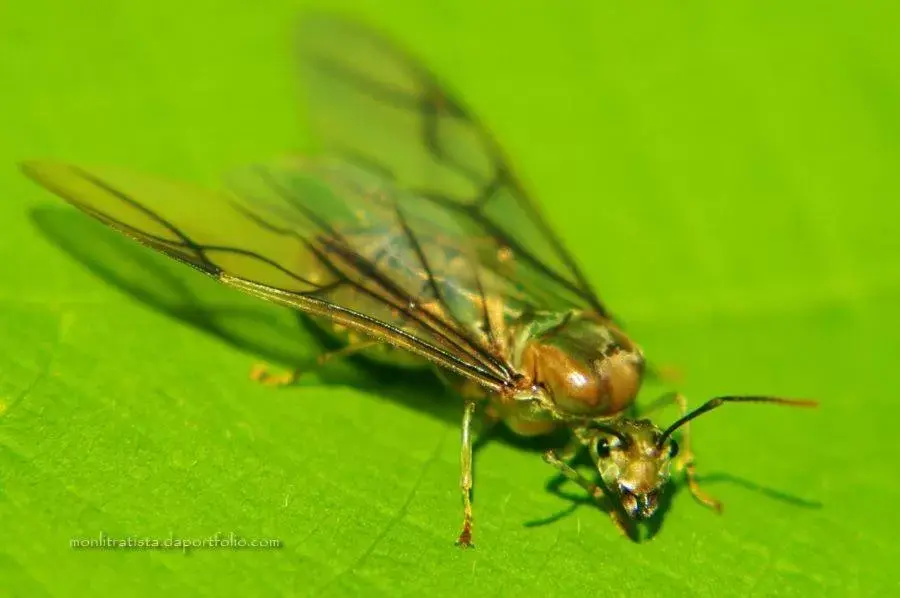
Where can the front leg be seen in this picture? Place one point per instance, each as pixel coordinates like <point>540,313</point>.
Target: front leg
<point>465,477</point>
<point>597,492</point>
<point>685,459</point>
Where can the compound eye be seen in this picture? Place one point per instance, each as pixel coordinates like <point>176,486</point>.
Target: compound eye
<point>673,449</point>
<point>603,447</point>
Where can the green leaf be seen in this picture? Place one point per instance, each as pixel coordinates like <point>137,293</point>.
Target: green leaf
<point>727,173</point>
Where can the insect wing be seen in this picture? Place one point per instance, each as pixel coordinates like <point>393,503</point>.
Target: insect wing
<point>412,268</point>
<point>313,235</point>
<point>372,104</point>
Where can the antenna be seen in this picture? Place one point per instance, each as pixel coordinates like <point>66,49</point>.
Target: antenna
<point>719,401</point>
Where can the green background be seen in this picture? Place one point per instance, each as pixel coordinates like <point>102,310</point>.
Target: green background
<point>727,173</point>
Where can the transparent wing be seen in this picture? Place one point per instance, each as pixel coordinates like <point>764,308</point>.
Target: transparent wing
<point>323,237</point>
<point>371,103</point>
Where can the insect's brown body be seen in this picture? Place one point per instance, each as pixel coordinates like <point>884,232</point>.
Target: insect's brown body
<point>417,233</point>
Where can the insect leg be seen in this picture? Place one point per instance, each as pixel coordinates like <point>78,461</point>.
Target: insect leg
<point>465,478</point>
<point>596,491</point>
<point>663,401</point>
<point>667,374</point>
<point>260,372</point>
<point>554,459</point>
<point>685,459</point>
<point>570,450</point>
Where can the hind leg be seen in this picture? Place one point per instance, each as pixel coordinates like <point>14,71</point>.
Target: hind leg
<point>262,373</point>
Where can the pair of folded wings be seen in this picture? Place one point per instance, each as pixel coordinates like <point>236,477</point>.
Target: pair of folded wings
<point>415,230</point>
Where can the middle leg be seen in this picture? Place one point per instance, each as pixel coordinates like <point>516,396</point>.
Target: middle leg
<point>685,459</point>
<point>465,477</point>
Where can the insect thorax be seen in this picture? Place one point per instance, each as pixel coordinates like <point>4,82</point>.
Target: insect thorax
<point>575,366</point>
